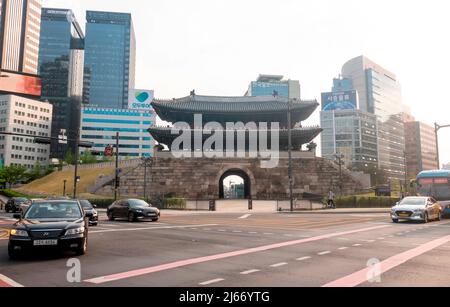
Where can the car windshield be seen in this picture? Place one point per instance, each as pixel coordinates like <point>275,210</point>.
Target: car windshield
<point>86,204</point>
<point>138,203</point>
<point>20,200</point>
<point>59,210</point>
<point>413,202</point>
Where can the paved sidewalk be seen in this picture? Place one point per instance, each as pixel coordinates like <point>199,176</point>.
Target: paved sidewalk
<point>344,211</point>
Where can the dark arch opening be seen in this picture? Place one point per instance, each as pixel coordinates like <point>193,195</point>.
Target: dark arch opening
<point>246,193</point>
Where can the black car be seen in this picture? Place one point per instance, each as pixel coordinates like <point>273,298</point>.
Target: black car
<point>133,210</point>
<point>90,211</point>
<point>13,204</point>
<point>55,224</point>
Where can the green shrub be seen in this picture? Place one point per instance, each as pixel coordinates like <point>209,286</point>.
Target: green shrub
<point>365,202</point>
<point>175,203</point>
<point>11,193</point>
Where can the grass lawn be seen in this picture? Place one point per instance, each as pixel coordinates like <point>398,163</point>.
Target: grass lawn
<point>53,184</point>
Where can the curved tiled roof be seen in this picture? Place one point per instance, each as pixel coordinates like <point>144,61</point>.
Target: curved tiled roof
<point>232,104</point>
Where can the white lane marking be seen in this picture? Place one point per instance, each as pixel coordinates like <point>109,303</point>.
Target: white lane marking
<point>356,245</point>
<point>381,238</point>
<point>249,272</point>
<point>9,282</point>
<point>253,232</point>
<point>288,235</point>
<point>277,265</point>
<point>222,230</point>
<point>324,253</point>
<point>194,228</point>
<point>343,248</point>
<point>148,228</point>
<point>303,258</point>
<point>268,233</point>
<point>209,282</point>
<point>245,216</point>
<point>237,231</point>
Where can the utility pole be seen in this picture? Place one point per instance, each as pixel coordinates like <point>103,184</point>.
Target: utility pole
<point>436,130</point>
<point>291,194</point>
<point>64,190</point>
<point>147,163</point>
<point>116,183</point>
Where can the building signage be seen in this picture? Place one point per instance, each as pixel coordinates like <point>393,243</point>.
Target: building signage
<point>16,83</point>
<point>340,101</point>
<point>141,99</point>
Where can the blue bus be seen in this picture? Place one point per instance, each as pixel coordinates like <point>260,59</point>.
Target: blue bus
<point>436,184</point>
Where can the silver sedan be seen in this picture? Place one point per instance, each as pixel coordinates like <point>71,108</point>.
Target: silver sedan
<point>421,209</point>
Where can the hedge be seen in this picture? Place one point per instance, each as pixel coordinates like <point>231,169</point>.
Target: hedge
<point>365,202</point>
<point>11,193</point>
<point>175,203</point>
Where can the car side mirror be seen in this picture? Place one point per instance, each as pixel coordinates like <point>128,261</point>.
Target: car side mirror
<point>95,206</point>
<point>17,216</point>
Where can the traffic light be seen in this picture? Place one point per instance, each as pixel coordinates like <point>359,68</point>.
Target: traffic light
<point>44,141</point>
<point>83,144</point>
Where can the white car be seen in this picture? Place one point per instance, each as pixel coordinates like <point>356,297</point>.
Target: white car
<point>423,209</point>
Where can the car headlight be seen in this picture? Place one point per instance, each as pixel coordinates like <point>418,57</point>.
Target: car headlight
<point>19,233</point>
<point>75,231</point>
<point>139,211</point>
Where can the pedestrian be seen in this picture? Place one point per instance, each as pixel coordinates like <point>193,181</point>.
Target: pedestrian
<point>331,203</point>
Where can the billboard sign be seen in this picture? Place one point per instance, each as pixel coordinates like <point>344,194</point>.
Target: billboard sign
<point>15,83</point>
<point>141,99</point>
<point>347,100</point>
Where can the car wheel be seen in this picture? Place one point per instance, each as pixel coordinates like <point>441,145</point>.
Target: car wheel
<point>83,248</point>
<point>110,216</point>
<point>439,217</point>
<point>395,221</point>
<point>131,217</point>
<point>12,253</point>
<point>7,210</point>
<point>425,218</point>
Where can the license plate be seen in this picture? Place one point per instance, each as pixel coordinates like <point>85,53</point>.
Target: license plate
<point>404,215</point>
<point>45,242</point>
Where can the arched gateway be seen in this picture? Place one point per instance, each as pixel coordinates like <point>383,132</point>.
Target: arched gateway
<point>239,173</point>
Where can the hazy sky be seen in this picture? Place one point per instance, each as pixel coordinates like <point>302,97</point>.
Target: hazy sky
<point>218,46</point>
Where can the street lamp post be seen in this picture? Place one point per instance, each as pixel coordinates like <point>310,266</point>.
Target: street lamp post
<point>289,119</point>
<point>436,130</point>
<point>148,162</point>
<point>117,184</point>
<point>340,157</point>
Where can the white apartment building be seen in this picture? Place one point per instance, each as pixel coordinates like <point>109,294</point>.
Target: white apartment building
<point>27,117</point>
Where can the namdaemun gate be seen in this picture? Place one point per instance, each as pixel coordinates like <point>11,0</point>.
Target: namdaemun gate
<point>199,178</point>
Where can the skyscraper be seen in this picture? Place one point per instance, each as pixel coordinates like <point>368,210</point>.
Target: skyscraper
<point>19,35</point>
<point>110,52</point>
<point>380,94</point>
<point>61,60</point>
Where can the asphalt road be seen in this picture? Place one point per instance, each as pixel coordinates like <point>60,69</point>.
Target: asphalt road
<point>241,250</point>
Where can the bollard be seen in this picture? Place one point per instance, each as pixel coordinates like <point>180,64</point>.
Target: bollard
<point>250,204</point>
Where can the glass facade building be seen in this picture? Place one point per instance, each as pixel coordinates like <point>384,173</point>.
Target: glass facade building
<point>61,58</point>
<point>380,94</point>
<point>110,51</point>
<point>266,85</point>
<point>347,130</point>
<point>100,126</point>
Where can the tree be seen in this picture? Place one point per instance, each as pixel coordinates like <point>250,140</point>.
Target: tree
<point>377,176</point>
<point>88,158</point>
<point>11,175</point>
<point>69,158</point>
<point>36,172</point>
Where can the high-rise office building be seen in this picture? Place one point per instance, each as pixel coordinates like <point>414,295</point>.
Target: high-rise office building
<point>421,150</point>
<point>61,64</point>
<point>110,52</point>
<point>347,130</point>
<point>19,35</point>
<point>380,94</point>
<point>267,85</point>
